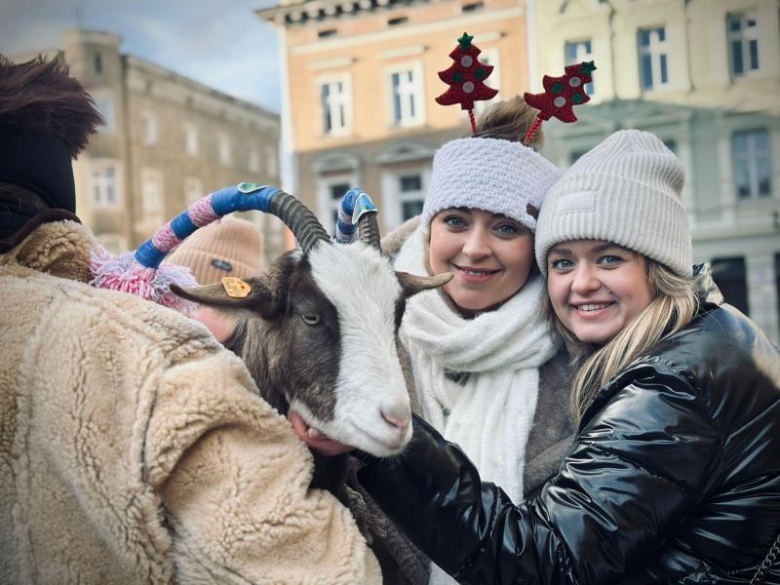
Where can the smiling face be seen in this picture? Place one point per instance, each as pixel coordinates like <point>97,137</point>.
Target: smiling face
<point>490,256</point>
<point>596,288</point>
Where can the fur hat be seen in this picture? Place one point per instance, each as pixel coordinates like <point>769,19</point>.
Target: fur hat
<point>495,175</point>
<point>627,191</point>
<point>46,118</point>
<point>227,247</point>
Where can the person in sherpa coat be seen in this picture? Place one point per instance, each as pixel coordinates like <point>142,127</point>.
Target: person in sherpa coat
<point>133,447</point>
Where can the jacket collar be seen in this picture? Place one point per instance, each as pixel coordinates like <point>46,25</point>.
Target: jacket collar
<point>61,248</point>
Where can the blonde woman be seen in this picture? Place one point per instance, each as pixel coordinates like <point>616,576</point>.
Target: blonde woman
<point>674,474</point>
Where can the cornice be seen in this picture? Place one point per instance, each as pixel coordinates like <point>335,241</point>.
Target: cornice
<point>299,13</point>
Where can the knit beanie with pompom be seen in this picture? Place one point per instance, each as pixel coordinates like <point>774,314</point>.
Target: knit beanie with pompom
<point>227,247</point>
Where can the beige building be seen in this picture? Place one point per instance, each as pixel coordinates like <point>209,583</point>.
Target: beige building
<point>703,75</point>
<point>167,141</point>
<point>360,79</point>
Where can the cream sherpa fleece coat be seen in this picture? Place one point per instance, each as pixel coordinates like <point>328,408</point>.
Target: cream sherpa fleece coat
<point>134,449</point>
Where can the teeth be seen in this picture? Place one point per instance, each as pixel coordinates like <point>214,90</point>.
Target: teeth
<point>592,307</point>
<point>477,272</point>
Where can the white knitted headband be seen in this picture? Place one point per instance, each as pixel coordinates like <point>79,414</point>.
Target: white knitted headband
<point>626,191</point>
<point>493,175</point>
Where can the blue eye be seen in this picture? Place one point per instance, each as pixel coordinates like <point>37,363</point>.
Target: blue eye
<point>454,221</point>
<point>562,264</point>
<point>507,229</point>
<point>610,260</point>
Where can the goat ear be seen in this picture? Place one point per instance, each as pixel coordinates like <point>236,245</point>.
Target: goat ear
<point>412,284</point>
<point>259,300</point>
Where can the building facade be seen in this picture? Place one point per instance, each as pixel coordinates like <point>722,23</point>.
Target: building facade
<point>167,141</point>
<point>360,79</point>
<point>703,76</point>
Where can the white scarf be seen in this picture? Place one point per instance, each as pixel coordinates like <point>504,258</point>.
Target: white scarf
<point>490,416</point>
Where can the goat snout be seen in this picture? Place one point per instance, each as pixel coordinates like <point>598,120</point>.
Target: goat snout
<point>399,420</point>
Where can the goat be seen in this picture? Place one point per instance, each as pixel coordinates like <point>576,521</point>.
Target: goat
<point>318,331</point>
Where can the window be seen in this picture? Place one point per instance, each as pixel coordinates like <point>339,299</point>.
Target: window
<point>152,192</point>
<point>148,127</point>
<point>253,160</point>
<point>336,192</point>
<point>404,191</point>
<point>191,138</point>
<point>412,195</point>
<point>329,32</point>
<point>577,52</point>
<point>407,96</point>
<point>104,184</point>
<point>193,190</point>
<point>98,63</point>
<point>653,66</point>
<point>752,164</point>
<point>336,102</point>
<point>271,161</point>
<point>331,191</point>
<point>743,43</point>
<point>224,149</point>
<point>105,105</point>
<point>398,20</point>
<point>730,276</point>
<point>472,6</point>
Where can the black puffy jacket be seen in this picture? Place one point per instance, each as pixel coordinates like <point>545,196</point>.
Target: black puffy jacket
<point>674,477</point>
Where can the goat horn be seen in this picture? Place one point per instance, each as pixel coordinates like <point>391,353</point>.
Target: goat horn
<point>413,284</point>
<point>368,228</point>
<point>304,225</point>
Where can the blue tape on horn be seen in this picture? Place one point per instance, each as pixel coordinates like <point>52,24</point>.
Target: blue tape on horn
<point>354,204</point>
<point>244,197</point>
<point>149,256</point>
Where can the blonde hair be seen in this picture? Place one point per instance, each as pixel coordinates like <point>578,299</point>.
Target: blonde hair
<point>510,120</point>
<point>671,309</point>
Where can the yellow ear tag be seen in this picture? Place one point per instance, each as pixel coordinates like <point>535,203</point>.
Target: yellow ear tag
<point>235,287</point>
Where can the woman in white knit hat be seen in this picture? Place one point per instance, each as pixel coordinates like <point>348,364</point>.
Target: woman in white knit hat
<point>490,374</point>
<point>674,474</point>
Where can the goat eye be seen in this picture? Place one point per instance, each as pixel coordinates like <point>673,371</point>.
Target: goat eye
<point>310,318</point>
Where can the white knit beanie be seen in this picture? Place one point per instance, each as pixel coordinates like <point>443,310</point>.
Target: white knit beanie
<point>490,174</point>
<point>626,191</point>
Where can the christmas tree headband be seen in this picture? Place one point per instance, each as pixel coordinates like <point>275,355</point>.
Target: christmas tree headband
<point>466,77</point>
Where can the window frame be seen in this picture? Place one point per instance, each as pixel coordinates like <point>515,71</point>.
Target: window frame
<point>658,53</point>
<point>417,93</point>
<point>149,130</point>
<point>326,204</point>
<point>745,42</point>
<point>751,159</point>
<point>343,100</point>
<point>158,176</point>
<point>102,202</point>
<point>393,195</point>
<point>191,141</point>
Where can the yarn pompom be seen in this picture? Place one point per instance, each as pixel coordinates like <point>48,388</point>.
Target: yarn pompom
<point>124,273</point>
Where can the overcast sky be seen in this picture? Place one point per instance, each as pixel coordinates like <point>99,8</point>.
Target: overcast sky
<point>220,43</point>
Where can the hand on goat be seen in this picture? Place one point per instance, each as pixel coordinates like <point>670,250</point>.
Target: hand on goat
<point>315,439</point>
<point>220,325</point>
